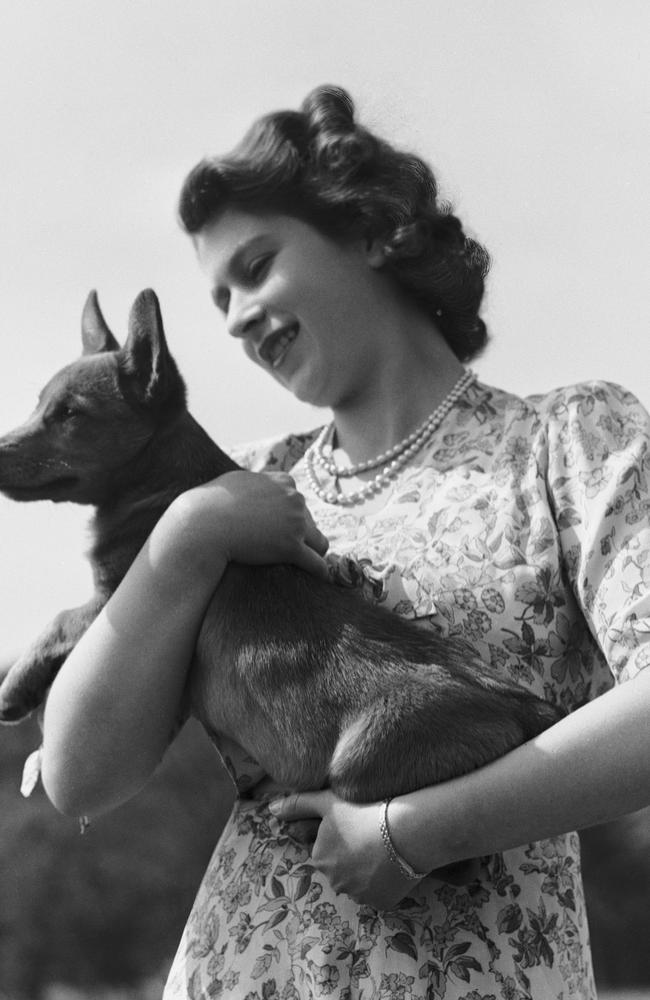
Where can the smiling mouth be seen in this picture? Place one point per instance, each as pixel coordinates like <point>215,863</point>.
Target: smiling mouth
<point>273,349</point>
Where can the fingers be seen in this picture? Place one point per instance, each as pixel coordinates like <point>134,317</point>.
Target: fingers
<point>304,831</point>
<point>301,805</point>
<point>282,479</point>
<point>315,543</point>
<point>315,538</point>
<point>270,522</point>
<point>308,560</point>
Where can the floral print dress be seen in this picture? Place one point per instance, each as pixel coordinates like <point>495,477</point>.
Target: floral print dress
<point>523,529</point>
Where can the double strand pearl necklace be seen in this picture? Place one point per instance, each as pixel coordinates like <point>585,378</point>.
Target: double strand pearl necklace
<point>391,461</point>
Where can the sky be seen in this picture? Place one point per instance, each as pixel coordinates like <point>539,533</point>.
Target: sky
<point>534,117</point>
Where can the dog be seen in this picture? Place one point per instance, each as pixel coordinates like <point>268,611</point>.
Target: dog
<point>319,685</point>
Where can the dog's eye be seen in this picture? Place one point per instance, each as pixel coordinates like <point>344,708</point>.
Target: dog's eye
<point>66,412</point>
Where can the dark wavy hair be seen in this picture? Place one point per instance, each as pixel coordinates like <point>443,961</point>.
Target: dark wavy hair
<point>320,166</point>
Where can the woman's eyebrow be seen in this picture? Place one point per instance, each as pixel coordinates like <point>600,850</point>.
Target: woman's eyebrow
<point>236,261</point>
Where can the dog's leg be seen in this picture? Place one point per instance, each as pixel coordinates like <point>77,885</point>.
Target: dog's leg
<point>26,683</point>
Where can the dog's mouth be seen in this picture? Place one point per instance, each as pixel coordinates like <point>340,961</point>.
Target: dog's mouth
<point>274,347</point>
<point>50,490</point>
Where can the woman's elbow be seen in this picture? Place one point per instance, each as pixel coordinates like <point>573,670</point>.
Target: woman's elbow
<point>70,794</point>
<point>66,798</point>
<point>84,788</point>
<point>87,767</point>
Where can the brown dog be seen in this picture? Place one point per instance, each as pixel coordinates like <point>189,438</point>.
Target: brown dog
<point>318,685</point>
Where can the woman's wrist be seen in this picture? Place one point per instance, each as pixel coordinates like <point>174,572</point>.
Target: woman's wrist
<point>426,839</point>
<point>394,856</point>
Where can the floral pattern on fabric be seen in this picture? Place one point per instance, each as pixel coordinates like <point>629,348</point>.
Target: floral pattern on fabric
<point>523,531</point>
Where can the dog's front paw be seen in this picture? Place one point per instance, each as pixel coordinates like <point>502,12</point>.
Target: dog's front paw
<point>26,684</point>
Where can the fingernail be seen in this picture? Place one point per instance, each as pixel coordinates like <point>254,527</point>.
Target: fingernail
<point>275,806</point>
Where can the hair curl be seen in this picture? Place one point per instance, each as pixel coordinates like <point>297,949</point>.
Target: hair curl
<point>319,165</point>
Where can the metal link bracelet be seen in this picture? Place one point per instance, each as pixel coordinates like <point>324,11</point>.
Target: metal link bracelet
<point>396,858</point>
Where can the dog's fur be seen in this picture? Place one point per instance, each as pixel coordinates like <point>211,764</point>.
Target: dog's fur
<point>320,686</point>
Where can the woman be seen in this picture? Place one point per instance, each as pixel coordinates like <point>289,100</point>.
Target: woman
<point>517,526</point>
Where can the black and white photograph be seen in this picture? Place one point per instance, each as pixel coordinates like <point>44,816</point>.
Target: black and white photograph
<point>324,500</point>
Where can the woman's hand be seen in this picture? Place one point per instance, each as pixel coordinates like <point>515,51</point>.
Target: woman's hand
<point>249,517</point>
<point>348,848</point>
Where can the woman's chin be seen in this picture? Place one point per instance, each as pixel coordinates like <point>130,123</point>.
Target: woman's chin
<point>301,387</point>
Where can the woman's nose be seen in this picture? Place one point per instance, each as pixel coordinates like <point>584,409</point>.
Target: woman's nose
<point>243,320</point>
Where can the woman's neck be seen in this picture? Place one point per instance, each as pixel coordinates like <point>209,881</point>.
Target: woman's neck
<point>408,387</point>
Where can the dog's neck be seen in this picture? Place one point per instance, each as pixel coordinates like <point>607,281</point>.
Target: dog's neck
<point>179,456</point>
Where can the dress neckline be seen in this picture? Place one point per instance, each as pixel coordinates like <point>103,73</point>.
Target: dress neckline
<point>465,408</point>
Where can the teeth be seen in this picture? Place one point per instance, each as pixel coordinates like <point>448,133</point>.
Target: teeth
<point>273,349</point>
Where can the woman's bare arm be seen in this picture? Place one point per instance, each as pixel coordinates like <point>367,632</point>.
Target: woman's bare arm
<point>113,706</point>
<point>591,767</point>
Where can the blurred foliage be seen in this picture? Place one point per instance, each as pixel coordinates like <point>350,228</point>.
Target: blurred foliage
<point>100,915</point>
<point>616,870</point>
<point>108,907</point>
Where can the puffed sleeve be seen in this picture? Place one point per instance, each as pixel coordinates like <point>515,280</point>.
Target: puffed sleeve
<point>598,477</point>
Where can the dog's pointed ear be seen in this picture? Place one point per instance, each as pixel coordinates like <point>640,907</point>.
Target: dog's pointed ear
<point>146,354</point>
<point>95,334</point>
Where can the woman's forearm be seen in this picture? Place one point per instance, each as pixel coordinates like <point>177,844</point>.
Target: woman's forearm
<point>113,705</point>
<point>591,767</point>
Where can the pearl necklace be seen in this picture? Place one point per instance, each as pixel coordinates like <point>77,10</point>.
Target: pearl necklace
<point>320,453</point>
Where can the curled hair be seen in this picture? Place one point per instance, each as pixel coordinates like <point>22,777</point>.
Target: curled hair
<point>319,165</point>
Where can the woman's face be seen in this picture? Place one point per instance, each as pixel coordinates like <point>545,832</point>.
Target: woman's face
<point>301,303</point>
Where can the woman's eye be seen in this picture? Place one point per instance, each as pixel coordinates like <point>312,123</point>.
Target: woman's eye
<point>258,267</point>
